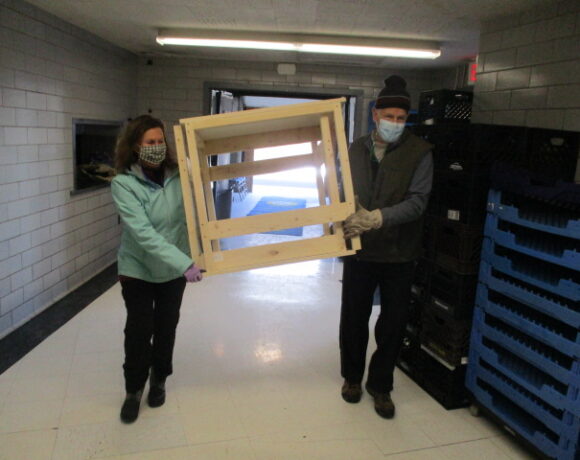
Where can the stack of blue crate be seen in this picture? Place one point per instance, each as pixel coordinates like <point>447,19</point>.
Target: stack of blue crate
<point>524,356</point>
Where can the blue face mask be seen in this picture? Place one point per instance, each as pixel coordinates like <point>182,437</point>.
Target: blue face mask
<point>390,131</point>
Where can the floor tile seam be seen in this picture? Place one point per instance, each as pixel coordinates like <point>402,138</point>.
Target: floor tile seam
<point>466,441</point>
<point>34,430</point>
<point>183,415</point>
<point>214,441</point>
<point>182,402</point>
<point>184,443</point>
<point>417,426</point>
<point>391,454</point>
<point>209,443</point>
<point>43,400</point>
<point>55,428</point>
<point>53,448</point>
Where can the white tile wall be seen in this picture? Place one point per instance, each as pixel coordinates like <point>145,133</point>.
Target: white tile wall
<point>529,70</point>
<point>173,88</point>
<point>50,73</point>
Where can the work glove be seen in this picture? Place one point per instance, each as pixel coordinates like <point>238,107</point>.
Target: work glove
<point>362,221</point>
<point>193,274</point>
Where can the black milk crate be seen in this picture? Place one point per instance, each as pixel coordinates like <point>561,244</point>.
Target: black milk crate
<point>493,143</point>
<point>423,271</point>
<point>473,147</point>
<point>459,196</point>
<point>445,385</point>
<point>452,293</point>
<point>408,354</point>
<point>446,337</point>
<point>535,185</point>
<point>535,214</point>
<point>445,106</point>
<point>451,145</point>
<point>554,153</point>
<point>427,240</point>
<point>563,396</point>
<point>416,308</point>
<point>456,246</point>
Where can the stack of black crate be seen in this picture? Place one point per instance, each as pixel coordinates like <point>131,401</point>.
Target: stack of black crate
<point>437,335</point>
<point>436,345</point>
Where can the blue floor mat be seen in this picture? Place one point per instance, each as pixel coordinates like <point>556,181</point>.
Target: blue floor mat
<point>270,204</point>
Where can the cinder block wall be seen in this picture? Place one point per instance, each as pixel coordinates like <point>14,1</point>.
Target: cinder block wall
<point>50,73</point>
<point>529,69</point>
<point>172,88</point>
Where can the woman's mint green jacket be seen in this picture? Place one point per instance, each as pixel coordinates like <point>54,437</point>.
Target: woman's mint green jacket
<point>154,243</point>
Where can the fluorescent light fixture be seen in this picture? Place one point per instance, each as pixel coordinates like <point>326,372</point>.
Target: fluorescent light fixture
<point>216,43</point>
<point>367,51</point>
<point>330,44</point>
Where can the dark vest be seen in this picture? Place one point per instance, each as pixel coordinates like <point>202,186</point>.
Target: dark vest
<point>388,187</point>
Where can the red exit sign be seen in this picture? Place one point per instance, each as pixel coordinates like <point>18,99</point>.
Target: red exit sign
<point>472,73</point>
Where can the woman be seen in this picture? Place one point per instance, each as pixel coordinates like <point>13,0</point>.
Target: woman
<point>153,261</point>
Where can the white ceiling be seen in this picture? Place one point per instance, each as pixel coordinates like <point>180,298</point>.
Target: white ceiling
<point>133,24</point>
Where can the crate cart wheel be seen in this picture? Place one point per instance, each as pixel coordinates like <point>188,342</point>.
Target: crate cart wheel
<point>474,410</point>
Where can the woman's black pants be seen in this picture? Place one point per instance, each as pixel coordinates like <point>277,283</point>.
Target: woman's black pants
<point>152,317</point>
<point>359,282</point>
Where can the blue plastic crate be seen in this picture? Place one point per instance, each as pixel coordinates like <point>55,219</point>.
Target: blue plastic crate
<point>534,380</point>
<point>552,444</point>
<point>556,279</point>
<point>563,368</point>
<point>533,214</point>
<point>556,249</point>
<point>557,420</point>
<point>544,301</point>
<point>554,333</point>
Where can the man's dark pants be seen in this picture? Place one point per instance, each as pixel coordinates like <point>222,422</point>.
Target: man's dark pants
<point>152,317</point>
<point>359,282</point>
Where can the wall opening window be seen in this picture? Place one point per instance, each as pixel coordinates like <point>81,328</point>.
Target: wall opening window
<point>93,151</point>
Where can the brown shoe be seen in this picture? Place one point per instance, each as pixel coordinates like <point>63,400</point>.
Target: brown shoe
<point>383,403</point>
<point>351,392</point>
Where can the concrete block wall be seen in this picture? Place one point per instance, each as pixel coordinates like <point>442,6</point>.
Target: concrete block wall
<point>529,69</point>
<point>172,88</point>
<point>52,241</point>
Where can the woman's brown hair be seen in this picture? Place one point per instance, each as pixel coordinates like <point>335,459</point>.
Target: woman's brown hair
<point>130,137</point>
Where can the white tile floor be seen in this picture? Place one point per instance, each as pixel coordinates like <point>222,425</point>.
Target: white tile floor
<point>256,377</point>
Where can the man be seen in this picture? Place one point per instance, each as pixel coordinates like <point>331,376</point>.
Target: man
<point>392,172</point>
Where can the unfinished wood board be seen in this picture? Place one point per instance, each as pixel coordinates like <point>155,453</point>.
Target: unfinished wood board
<point>318,123</point>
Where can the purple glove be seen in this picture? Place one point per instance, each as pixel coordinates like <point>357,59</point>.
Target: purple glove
<point>193,274</point>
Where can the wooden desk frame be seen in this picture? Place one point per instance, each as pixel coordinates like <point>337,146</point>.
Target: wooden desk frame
<point>321,124</point>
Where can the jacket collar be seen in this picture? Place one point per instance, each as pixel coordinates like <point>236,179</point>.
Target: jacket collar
<point>137,171</point>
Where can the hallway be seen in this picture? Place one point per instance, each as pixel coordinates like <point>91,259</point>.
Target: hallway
<point>256,377</point>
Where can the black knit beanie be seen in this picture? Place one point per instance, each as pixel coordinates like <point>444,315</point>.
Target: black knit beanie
<point>394,94</point>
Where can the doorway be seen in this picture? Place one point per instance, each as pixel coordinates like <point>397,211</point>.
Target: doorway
<point>293,188</point>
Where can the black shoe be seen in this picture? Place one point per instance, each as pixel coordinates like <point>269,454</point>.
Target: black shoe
<point>130,409</point>
<point>351,392</point>
<point>383,403</point>
<point>156,396</point>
